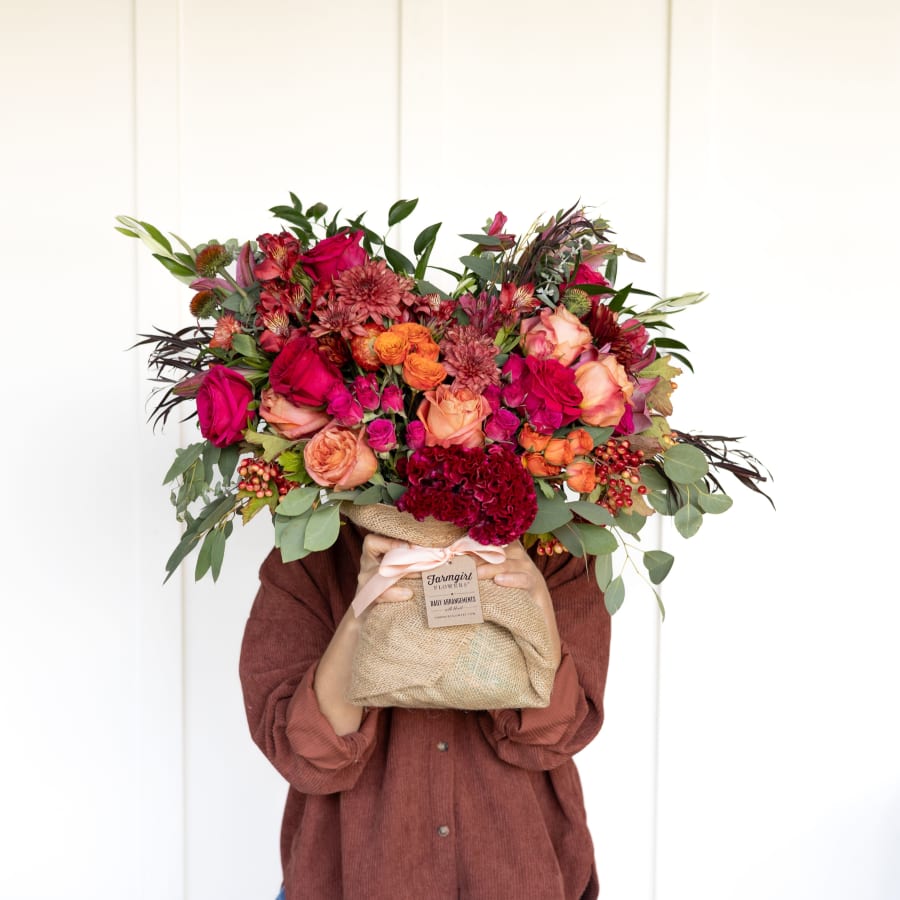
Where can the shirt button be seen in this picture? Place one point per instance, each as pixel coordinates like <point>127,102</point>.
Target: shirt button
<point>443,831</point>
<point>443,746</point>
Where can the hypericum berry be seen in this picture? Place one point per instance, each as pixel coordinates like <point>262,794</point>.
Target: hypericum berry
<point>261,479</point>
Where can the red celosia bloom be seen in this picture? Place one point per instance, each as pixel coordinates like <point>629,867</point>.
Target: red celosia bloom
<point>486,491</point>
<point>373,290</point>
<point>470,355</point>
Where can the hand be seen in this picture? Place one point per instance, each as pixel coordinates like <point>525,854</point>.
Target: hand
<point>373,550</point>
<point>519,571</point>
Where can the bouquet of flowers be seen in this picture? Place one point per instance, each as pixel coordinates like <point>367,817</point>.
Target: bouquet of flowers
<point>528,398</point>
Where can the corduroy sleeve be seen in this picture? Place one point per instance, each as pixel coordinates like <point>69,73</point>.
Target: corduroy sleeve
<point>542,739</point>
<point>289,628</point>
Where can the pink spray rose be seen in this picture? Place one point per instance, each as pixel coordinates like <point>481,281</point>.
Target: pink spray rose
<point>381,435</point>
<point>606,389</point>
<point>391,399</point>
<point>301,372</point>
<point>289,420</point>
<point>222,405</point>
<point>334,254</point>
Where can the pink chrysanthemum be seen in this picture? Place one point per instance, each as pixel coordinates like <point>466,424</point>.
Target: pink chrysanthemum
<point>334,317</point>
<point>469,355</point>
<point>373,291</point>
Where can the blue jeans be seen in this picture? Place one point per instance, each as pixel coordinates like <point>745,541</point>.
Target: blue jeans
<point>280,894</point>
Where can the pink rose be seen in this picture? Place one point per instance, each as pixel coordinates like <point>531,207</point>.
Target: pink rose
<point>606,389</point>
<point>502,425</point>
<point>289,420</point>
<point>558,334</point>
<point>453,417</point>
<point>415,435</point>
<point>339,457</point>
<point>366,389</point>
<point>381,435</point>
<point>334,254</point>
<point>302,374</point>
<point>222,405</point>
<point>345,408</point>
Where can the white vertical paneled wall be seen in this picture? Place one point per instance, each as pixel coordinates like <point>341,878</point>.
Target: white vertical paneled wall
<point>750,153</point>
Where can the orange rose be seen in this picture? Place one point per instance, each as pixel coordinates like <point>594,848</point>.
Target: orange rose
<point>339,457</point>
<point>391,347</point>
<point>419,337</point>
<point>537,465</point>
<point>422,373</point>
<point>605,389</point>
<point>529,439</point>
<point>289,420</point>
<point>453,417</point>
<point>558,452</point>
<point>582,443</point>
<point>581,476</point>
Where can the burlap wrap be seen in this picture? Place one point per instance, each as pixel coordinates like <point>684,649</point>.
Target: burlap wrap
<point>504,663</point>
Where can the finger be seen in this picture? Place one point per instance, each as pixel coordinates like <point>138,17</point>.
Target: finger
<point>376,545</point>
<point>395,594</point>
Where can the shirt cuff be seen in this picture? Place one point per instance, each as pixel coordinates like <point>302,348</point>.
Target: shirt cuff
<point>547,725</point>
<point>311,736</point>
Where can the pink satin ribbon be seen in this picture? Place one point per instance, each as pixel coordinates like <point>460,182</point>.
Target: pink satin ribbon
<point>397,563</point>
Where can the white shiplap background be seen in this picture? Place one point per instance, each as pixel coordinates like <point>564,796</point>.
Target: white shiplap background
<point>750,150</point>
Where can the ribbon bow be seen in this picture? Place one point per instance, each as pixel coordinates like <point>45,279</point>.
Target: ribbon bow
<point>401,561</point>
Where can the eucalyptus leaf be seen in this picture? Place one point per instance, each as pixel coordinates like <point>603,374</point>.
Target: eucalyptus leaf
<point>322,529</point>
<point>185,546</point>
<point>597,541</point>
<point>246,346</point>
<point>395,491</point>
<point>369,495</point>
<point>228,460</point>
<point>603,570</point>
<point>658,564</point>
<point>569,536</point>
<point>685,464</point>
<point>486,240</point>
<point>551,514</point>
<point>217,553</point>
<point>483,266</point>
<point>297,501</point>
<point>652,478</point>
<point>593,512</point>
<point>204,557</point>
<point>614,595</point>
<point>291,539</point>
<point>630,523</point>
<point>688,520</point>
<point>714,503</point>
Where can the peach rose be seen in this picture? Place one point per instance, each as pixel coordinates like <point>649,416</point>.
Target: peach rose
<point>453,417</point>
<point>581,476</point>
<point>537,465</point>
<point>582,443</point>
<point>422,373</point>
<point>339,457</point>
<point>558,452</point>
<point>289,420</point>
<point>391,347</point>
<point>559,335</point>
<point>605,389</point>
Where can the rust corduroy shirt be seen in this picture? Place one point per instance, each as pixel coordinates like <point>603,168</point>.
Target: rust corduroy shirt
<point>424,804</point>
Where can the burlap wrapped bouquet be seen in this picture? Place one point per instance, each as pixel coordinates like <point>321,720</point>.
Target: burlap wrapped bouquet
<point>504,663</point>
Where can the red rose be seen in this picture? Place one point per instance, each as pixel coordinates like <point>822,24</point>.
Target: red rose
<point>545,388</point>
<point>222,403</point>
<point>334,254</point>
<point>302,374</point>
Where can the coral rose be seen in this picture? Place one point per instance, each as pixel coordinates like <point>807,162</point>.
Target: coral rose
<point>339,457</point>
<point>537,465</point>
<point>422,373</point>
<point>606,389</point>
<point>289,420</point>
<point>223,401</point>
<point>581,476</point>
<point>558,452</point>
<point>582,443</point>
<point>453,417</point>
<point>532,440</point>
<point>559,335</point>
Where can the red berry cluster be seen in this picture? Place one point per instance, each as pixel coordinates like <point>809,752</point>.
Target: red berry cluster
<point>262,479</point>
<point>617,471</point>
<point>548,546</point>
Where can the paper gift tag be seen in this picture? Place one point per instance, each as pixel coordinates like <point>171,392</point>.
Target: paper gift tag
<point>451,593</point>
